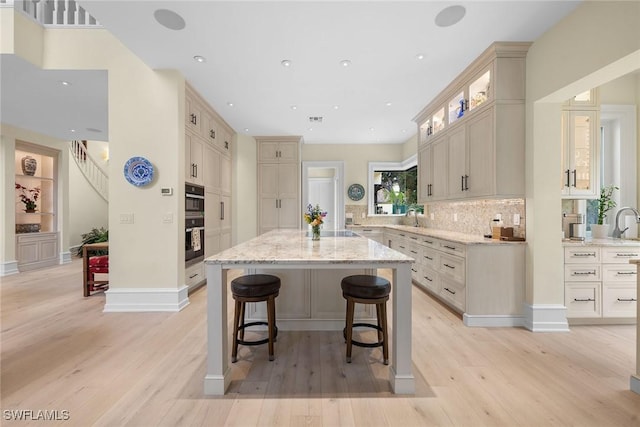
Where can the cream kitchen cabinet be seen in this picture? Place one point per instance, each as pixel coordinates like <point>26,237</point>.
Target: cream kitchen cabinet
<point>486,143</point>
<point>580,153</point>
<point>194,159</point>
<point>278,183</point>
<point>482,280</point>
<point>433,175</point>
<point>600,284</point>
<point>36,250</point>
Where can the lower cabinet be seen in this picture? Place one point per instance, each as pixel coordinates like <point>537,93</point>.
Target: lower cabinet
<point>600,283</point>
<point>310,299</point>
<point>194,275</point>
<point>483,281</point>
<point>36,250</point>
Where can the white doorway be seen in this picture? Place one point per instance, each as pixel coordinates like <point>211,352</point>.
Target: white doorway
<point>322,184</point>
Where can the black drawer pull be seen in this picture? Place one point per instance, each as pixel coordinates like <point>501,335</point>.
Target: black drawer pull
<point>627,255</point>
<point>429,242</point>
<point>449,266</point>
<point>413,252</point>
<point>583,300</point>
<point>430,259</point>
<point>627,299</point>
<point>584,273</point>
<point>402,246</point>
<point>450,247</point>
<point>450,291</point>
<point>414,270</point>
<point>193,275</point>
<point>431,280</point>
<point>625,273</point>
<point>593,254</point>
<point>414,238</point>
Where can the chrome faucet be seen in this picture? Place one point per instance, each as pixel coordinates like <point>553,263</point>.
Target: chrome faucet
<point>415,215</point>
<point>617,233</point>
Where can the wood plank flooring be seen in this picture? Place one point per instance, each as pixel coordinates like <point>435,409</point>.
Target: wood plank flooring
<point>61,352</point>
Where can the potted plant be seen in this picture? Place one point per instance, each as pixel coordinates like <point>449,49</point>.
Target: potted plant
<point>28,196</point>
<point>398,200</point>
<point>96,235</point>
<point>604,204</point>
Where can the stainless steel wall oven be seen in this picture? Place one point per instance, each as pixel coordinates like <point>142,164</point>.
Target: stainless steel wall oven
<point>194,224</point>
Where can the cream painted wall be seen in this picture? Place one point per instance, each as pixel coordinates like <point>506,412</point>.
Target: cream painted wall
<point>245,189</point>
<point>410,147</point>
<point>598,42</point>
<point>620,91</point>
<point>87,210</point>
<point>146,118</point>
<point>356,159</point>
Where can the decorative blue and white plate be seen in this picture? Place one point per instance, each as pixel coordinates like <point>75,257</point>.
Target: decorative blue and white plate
<point>138,171</point>
<point>355,192</point>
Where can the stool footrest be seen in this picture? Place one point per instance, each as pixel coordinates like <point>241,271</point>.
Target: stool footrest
<point>364,344</point>
<point>258,342</point>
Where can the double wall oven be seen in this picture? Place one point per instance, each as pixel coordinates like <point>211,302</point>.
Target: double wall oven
<point>194,224</point>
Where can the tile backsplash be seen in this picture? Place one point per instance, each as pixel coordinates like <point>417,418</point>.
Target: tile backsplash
<point>471,217</point>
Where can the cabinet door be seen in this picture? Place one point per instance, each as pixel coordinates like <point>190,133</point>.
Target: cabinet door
<point>211,243</point>
<point>225,175</point>
<point>425,170</point>
<point>209,128</point>
<point>195,169</point>
<point>288,180</point>
<point>439,175</point>
<point>294,300</point>
<point>224,210</point>
<point>268,151</point>
<point>580,157</point>
<point>212,169</point>
<point>480,156</point>
<point>268,181</point>
<point>224,140</point>
<point>193,120</point>
<point>288,152</point>
<point>212,212</point>
<point>289,213</point>
<point>457,147</point>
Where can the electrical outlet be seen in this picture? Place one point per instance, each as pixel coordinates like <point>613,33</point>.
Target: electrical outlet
<point>455,217</point>
<point>516,219</point>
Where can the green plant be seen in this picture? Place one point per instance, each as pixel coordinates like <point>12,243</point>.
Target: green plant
<point>96,235</point>
<point>605,202</point>
<point>397,199</point>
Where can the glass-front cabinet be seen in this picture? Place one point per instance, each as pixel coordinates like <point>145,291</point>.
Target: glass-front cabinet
<point>479,90</point>
<point>579,154</point>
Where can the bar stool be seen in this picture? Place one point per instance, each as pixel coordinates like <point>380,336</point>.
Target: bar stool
<point>366,289</point>
<point>254,288</point>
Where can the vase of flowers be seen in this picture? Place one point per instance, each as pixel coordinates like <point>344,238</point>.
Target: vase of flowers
<point>28,196</point>
<point>314,216</point>
<point>605,203</point>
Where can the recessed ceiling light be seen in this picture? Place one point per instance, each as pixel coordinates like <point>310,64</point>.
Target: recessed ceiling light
<point>388,104</point>
<point>200,59</point>
<point>404,131</point>
<point>294,107</point>
<point>65,83</point>
<point>246,129</point>
<point>230,104</point>
<point>335,107</point>
<point>371,129</point>
<point>169,19</point>
<point>310,129</point>
<point>345,63</point>
<point>285,63</point>
<point>72,130</point>
<point>420,56</point>
<point>450,15</point>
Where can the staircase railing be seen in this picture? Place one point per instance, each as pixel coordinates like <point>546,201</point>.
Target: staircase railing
<point>97,177</point>
<point>54,12</point>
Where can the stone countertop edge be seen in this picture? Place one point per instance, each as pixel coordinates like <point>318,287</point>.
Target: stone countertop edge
<point>452,236</point>
<point>609,241</point>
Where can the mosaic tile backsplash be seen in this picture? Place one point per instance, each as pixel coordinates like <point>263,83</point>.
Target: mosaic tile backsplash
<point>473,217</point>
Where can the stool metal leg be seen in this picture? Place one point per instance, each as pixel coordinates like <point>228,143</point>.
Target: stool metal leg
<point>350,310</point>
<point>271,320</point>
<point>385,342</point>
<point>236,322</point>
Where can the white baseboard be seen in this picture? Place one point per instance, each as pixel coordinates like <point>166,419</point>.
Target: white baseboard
<point>546,318</point>
<point>8,268</point>
<point>493,321</point>
<point>635,384</point>
<point>145,299</point>
<point>65,257</point>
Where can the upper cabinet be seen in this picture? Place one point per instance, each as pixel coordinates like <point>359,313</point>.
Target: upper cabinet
<point>278,149</point>
<point>579,177</point>
<point>478,127</point>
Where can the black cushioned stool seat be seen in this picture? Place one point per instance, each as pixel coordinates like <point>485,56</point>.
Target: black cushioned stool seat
<point>367,289</point>
<point>254,288</point>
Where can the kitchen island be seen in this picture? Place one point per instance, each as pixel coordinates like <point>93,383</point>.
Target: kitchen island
<point>294,249</point>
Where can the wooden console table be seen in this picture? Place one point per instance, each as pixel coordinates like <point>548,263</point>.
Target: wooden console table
<point>87,251</point>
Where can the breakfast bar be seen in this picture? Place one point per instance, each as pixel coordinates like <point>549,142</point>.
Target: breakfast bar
<point>294,249</point>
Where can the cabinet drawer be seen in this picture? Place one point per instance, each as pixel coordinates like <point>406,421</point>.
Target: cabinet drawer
<point>582,273</point>
<point>430,258</point>
<point>619,273</point>
<point>430,279</point>
<point>620,255</point>
<point>452,267</point>
<point>582,255</point>
<point>194,274</point>
<point>582,299</point>
<point>429,242</point>
<point>453,292</point>
<point>619,300</point>
<point>452,248</point>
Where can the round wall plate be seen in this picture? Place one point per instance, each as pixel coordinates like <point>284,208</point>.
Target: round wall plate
<point>355,192</point>
<point>138,171</point>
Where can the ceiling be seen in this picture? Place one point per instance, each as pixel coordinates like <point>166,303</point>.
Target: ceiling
<point>371,101</point>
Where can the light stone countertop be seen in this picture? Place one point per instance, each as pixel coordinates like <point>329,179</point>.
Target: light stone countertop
<point>609,241</point>
<point>452,236</point>
<point>295,247</point>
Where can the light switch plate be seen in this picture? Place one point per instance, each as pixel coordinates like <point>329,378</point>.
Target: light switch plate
<point>126,218</point>
<point>516,219</point>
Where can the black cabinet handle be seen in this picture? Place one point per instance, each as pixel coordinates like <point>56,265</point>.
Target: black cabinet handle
<point>431,280</point>
<point>212,134</point>
<point>584,273</point>
<point>194,119</point>
<point>449,266</point>
<point>450,291</point>
<point>466,182</point>
<point>222,210</point>
<point>449,247</point>
<point>193,275</point>
<point>226,145</point>
<point>568,172</point>
<point>461,182</point>
<point>429,258</point>
<point>627,299</point>
<point>583,299</point>
<point>574,178</point>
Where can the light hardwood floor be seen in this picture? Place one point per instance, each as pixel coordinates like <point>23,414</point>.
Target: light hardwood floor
<point>60,352</point>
